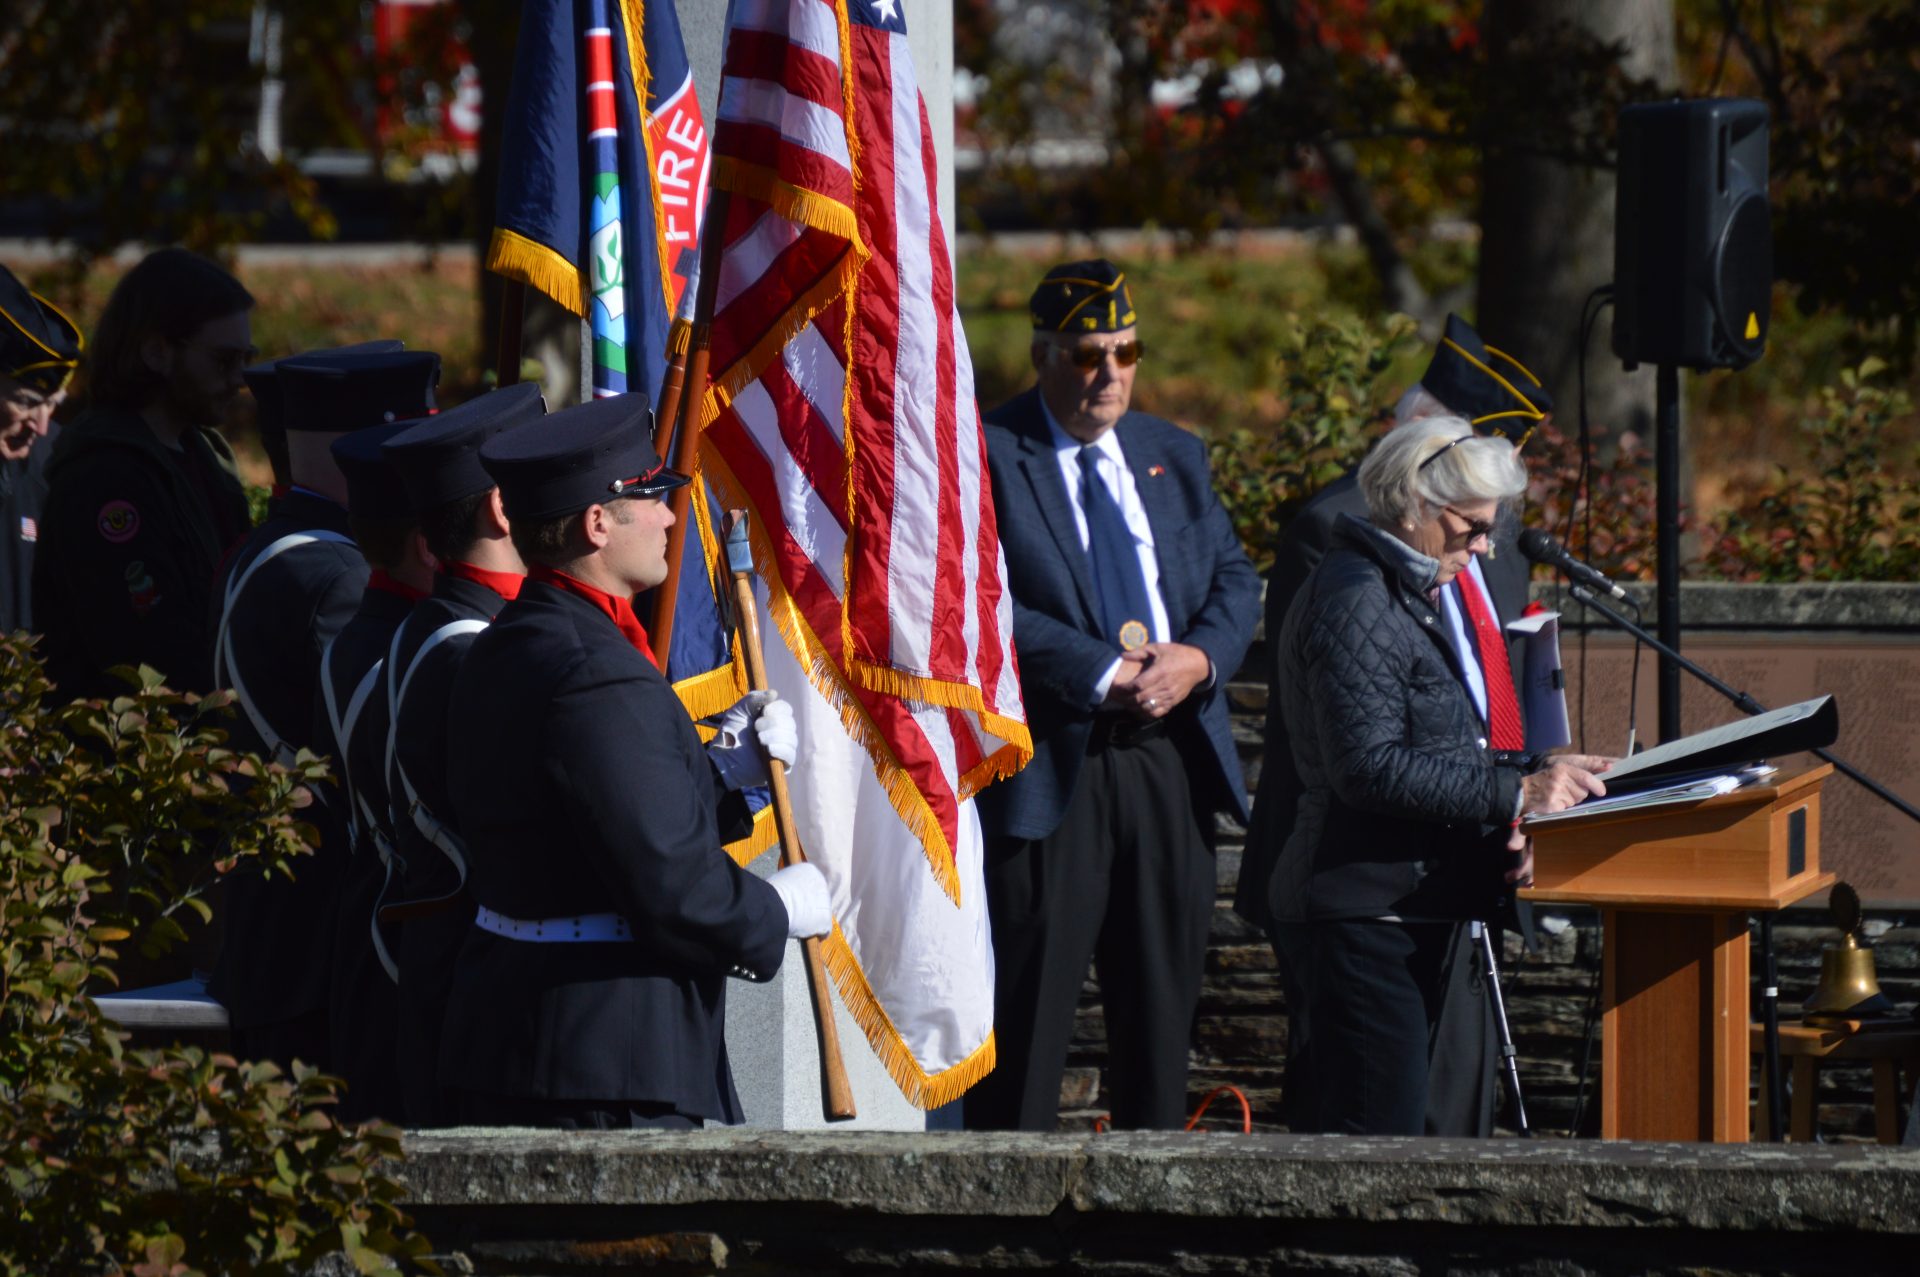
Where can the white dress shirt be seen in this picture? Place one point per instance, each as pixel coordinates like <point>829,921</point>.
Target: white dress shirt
<point>1460,630</point>
<point>1110,463</point>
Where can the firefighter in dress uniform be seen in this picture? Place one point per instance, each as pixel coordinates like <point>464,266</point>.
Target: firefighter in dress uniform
<point>590,991</point>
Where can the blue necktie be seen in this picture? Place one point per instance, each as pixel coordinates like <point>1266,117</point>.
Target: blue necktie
<point>1117,578</point>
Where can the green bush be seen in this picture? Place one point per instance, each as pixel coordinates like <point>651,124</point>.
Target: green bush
<point>1336,398</point>
<point>169,1161</point>
<point>1850,515</point>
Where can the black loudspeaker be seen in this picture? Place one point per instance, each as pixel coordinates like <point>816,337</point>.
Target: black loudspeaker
<point>1693,238</point>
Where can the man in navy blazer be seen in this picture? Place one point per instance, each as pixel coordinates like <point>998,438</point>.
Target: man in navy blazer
<point>1133,603</point>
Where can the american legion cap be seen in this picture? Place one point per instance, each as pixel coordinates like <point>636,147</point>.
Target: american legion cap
<point>342,392</point>
<point>1083,297</point>
<point>589,454</point>
<point>439,459</point>
<point>1486,385</point>
<point>39,346</point>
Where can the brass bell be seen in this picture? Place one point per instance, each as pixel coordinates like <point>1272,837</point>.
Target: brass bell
<point>1848,988</point>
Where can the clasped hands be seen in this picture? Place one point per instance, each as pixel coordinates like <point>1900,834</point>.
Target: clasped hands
<point>1153,680</point>
<point>1564,781</point>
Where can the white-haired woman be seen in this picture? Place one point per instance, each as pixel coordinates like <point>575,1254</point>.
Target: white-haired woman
<point>1405,828</point>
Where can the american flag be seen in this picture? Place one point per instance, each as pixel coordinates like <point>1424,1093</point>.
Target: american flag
<point>843,415</point>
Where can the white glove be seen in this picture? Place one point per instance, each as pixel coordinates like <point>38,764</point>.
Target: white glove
<point>803,890</point>
<point>741,756</point>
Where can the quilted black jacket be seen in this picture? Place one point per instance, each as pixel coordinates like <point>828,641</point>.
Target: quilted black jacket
<point>1403,808</point>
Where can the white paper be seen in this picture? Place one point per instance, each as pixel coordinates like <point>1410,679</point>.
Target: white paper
<point>1687,791</point>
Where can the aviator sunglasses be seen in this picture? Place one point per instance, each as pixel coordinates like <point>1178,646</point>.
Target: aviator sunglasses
<point>1087,358</point>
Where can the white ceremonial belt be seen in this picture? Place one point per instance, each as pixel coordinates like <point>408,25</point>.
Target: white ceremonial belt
<point>588,928</point>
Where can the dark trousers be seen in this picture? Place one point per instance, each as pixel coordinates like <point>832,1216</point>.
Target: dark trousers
<point>1463,1061</point>
<point>364,1004</point>
<point>478,1108</point>
<point>1392,1027</point>
<point>1127,880</point>
<point>426,952</point>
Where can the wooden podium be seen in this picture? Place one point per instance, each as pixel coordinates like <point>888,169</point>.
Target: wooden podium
<point>1674,885</point>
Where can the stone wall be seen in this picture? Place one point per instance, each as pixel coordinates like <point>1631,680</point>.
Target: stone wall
<point>1240,1033</point>
<point>518,1203</point>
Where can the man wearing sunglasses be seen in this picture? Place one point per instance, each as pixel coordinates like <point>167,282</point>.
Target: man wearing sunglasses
<point>39,349</point>
<point>1132,603</point>
<point>1499,395</point>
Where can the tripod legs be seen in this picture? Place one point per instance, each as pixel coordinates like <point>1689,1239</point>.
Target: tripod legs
<point>1509,1058</point>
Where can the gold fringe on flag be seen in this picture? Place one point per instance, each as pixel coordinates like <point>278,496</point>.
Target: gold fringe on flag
<point>922,1089</point>
<point>515,256</point>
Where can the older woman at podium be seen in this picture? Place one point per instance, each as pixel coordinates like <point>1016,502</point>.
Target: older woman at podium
<point>1406,826</point>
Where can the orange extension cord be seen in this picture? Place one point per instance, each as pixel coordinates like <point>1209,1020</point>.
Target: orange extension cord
<point>1246,1111</point>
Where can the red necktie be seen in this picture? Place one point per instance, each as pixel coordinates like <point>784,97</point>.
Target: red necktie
<point>1503,706</point>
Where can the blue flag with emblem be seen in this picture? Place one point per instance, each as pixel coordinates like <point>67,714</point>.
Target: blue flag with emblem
<point>603,184</point>
<point>603,176</point>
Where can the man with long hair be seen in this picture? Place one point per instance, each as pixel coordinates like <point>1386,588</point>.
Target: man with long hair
<point>143,500</point>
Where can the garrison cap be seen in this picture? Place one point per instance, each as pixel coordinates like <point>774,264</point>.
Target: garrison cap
<point>374,487</point>
<point>1487,386</point>
<point>264,381</point>
<point>439,459</point>
<point>589,454</point>
<point>39,346</point>
<point>340,392</point>
<point>1083,297</point>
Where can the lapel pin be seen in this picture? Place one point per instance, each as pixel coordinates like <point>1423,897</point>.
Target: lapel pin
<point>1154,472</point>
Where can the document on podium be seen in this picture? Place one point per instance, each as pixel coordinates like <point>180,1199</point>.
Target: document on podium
<point>1690,789</point>
<point>1810,724</point>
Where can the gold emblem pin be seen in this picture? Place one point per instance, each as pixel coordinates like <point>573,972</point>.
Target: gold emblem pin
<point>1133,636</point>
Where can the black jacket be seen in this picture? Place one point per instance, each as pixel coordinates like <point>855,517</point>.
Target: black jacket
<point>428,872</point>
<point>1403,808</point>
<point>129,546</point>
<point>277,958</point>
<point>581,787</point>
<point>1277,793</point>
<point>363,1019</point>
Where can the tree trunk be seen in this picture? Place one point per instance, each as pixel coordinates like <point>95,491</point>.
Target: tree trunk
<point>1546,226</point>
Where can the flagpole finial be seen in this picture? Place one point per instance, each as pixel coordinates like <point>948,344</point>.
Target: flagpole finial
<point>739,549</point>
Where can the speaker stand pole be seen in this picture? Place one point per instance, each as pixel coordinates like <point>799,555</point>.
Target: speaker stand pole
<point>1667,531</point>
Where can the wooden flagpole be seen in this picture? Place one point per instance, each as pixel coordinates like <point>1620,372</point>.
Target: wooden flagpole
<point>513,312</point>
<point>836,1091</point>
<point>684,426</point>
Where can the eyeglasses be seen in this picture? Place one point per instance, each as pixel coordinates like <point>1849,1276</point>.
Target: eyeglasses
<point>1476,528</point>
<point>1087,358</point>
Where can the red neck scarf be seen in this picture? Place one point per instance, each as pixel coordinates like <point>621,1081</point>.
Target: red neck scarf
<point>379,580</point>
<point>617,609</point>
<point>505,584</point>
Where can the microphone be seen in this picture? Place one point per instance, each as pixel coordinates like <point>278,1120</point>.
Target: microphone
<point>1542,548</point>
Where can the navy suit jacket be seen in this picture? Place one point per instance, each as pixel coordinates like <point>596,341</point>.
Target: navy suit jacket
<point>1210,590</point>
